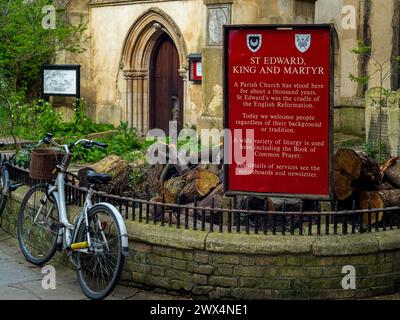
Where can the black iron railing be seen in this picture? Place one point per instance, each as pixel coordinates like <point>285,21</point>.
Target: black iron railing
<point>239,218</point>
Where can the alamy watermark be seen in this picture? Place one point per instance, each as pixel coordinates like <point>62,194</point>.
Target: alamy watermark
<point>49,278</point>
<point>349,280</point>
<point>210,146</point>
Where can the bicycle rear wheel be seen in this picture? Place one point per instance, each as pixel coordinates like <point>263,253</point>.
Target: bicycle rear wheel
<point>4,185</point>
<point>100,269</point>
<point>37,217</point>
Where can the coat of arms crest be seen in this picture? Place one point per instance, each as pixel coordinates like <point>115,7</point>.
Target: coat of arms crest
<point>303,42</point>
<point>254,42</point>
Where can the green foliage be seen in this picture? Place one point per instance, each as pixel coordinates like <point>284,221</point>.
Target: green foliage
<point>25,44</point>
<point>23,157</point>
<point>360,80</point>
<point>83,155</point>
<point>124,143</point>
<point>374,151</point>
<point>80,125</point>
<point>384,70</point>
<point>362,48</point>
<point>136,179</point>
<point>33,120</point>
<point>125,140</point>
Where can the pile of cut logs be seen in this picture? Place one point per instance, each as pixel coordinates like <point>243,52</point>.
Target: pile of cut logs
<point>356,177</point>
<point>360,178</point>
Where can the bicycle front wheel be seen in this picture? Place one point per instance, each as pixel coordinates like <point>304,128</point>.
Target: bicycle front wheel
<point>37,234</point>
<point>100,268</point>
<point>4,185</point>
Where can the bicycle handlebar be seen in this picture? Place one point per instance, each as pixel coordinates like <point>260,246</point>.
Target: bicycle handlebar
<point>68,147</point>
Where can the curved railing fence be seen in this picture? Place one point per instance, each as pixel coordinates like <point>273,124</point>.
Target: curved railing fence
<point>312,218</point>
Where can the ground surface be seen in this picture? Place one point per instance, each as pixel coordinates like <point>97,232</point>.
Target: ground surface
<point>19,280</point>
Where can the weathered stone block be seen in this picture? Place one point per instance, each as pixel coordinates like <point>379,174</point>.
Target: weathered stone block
<point>278,284</point>
<point>368,259</point>
<point>365,282</point>
<point>158,260</point>
<point>352,244</point>
<point>140,247</point>
<point>219,293</point>
<point>179,264</point>
<point>224,270</point>
<point>264,260</point>
<point>205,269</point>
<point>157,270</point>
<point>333,272</point>
<point>225,259</point>
<point>139,277</point>
<point>137,267</point>
<point>159,250</point>
<point>179,275</point>
<point>247,260</point>
<point>386,279</point>
<point>291,272</point>
<point>156,281</point>
<point>200,279</point>
<point>202,290</point>
<point>181,285</point>
<point>279,260</point>
<point>249,271</point>
<point>218,281</point>
<point>201,257</point>
<point>139,257</point>
<point>314,272</point>
<point>258,244</point>
<point>270,272</point>
<point>246,282</point>
<point>179,254</point>
<point>249,293</point>
<point>294,260</point>
<point>380,268</point>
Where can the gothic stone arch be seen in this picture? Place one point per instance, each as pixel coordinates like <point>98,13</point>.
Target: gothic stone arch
<point>135,63</point>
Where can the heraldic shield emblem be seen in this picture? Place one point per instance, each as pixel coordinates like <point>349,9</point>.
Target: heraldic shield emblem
<point>254,42</point>
<point>303,42</point>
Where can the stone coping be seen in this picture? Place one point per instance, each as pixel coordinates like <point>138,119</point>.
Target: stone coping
<point>188,239</point>
<point>335,245</point>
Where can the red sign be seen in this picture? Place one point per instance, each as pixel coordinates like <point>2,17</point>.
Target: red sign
<point>278,88</point>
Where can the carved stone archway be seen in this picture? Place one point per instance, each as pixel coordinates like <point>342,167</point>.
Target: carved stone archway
<point>135,63</point>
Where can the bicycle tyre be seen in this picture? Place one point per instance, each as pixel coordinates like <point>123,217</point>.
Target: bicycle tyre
<point>4,186</point>
<point>46,247</point>
<point>94,264</point>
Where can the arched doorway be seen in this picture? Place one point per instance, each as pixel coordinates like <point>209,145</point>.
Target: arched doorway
<point>166,85</point>
<point>154,49</point>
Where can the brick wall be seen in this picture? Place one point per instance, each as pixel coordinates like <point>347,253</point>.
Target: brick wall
<point>239,266</point>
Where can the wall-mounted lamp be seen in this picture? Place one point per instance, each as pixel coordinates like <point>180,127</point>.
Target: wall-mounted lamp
<point>195,67</point>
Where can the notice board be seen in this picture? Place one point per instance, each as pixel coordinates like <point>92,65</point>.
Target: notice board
<point>278,97</point>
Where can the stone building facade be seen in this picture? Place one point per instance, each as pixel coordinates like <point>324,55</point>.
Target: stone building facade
<point>136,65</point>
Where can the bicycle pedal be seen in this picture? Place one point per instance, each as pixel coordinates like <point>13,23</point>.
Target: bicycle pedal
<point>80,245</point>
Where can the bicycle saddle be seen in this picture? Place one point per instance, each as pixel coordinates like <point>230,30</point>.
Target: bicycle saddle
<point>98,178</point>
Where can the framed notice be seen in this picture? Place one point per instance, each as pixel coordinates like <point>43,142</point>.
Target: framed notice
<point>60,80</point>
<point>278,96</point>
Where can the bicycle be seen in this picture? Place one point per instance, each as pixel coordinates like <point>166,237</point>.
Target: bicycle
<point>5,183</point>
<point>96,243</point>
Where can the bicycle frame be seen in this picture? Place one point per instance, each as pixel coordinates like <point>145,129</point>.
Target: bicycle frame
<point>58,191</point>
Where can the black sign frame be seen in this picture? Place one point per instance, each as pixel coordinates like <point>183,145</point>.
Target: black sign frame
<point>227,29</point>
<point>73,67</point>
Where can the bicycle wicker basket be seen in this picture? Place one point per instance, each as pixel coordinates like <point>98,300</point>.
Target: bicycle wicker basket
<point>44,163</point>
